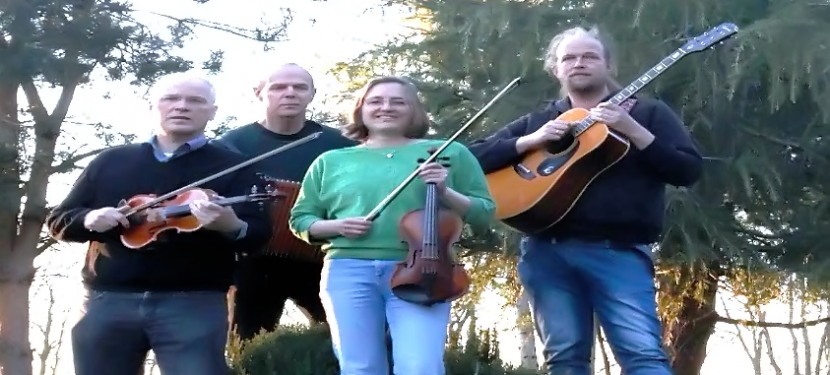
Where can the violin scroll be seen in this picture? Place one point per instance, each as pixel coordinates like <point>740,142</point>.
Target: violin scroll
<point>442,160</point>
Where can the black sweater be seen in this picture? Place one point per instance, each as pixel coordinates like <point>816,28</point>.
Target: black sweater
<point>626,203</point>
<point>197,261</point>
<point>253,140</point>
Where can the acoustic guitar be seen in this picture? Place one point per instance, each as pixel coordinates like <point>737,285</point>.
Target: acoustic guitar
<point>537,192</point>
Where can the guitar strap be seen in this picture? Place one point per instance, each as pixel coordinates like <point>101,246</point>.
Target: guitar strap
<point>628,104</point>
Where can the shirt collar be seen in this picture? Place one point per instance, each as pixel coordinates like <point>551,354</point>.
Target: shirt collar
<point>188,146</point>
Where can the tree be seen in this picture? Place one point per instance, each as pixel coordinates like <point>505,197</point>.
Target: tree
<point>49,44</point>
<point>759,208</point>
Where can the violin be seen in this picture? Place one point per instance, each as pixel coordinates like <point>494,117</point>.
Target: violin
<point>430,273</point>
<point>174,214</point>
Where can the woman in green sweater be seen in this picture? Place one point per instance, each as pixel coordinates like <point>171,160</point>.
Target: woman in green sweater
<point>341,187</point>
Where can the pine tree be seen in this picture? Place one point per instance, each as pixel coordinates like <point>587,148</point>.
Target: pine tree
<point>756,106</point>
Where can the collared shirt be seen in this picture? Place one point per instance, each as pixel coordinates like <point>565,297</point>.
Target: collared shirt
<point>190,146</point>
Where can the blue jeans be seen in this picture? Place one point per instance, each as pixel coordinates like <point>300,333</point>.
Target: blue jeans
<point>359,302</point>
<point>187,332</point>
<point>568,281</point>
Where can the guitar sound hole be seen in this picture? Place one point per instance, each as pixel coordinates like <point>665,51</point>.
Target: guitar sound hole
<point>562,150</point>
<point>561,145</point>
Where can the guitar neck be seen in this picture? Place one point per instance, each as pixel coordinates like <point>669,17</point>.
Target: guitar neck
<point>638,84</point>
<point>635,86</point>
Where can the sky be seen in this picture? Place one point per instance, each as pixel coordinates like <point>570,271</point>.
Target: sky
<point>342,29</point>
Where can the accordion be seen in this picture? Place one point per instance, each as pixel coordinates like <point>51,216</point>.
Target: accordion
<point>283,243</point>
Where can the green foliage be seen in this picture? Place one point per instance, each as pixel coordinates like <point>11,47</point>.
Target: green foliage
<point>757,107</point>
<point>299,350</point>
<point>47,44</point>
<point>750,104</point>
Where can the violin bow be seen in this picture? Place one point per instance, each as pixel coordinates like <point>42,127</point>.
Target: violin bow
<point>385,202</point>
<point>286,147</point>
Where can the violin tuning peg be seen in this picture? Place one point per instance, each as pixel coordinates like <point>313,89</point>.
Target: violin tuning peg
<point>446,165</point>
<point>421,160</point>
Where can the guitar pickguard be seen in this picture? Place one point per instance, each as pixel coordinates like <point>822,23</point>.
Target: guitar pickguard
<point>560,153</point>
<point>558,158</point>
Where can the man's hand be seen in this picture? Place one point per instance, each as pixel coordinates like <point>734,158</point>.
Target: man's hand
<point>215,217</point>
<point>104,219</point>
<point>620,120</point>
<point>553,130</point>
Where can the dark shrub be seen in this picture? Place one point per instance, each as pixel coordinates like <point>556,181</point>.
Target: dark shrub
<point>300,350</point>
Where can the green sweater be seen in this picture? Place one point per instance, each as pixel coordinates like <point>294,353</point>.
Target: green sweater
<point>350,182</point>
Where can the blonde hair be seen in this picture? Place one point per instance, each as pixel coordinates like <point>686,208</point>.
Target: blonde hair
<point>356,129</point>
<point>551,57</point>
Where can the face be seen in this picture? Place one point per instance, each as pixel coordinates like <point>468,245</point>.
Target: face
<point>288,92</point>
<point>386,108</point>
<point>581,65</point>
<point>184,108</point>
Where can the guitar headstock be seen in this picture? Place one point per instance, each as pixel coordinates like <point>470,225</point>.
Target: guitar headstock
<point>708,39</point>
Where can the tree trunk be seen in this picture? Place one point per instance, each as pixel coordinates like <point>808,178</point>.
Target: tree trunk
<point>688,333</point>
<point>16,269</point>
<point>527,338</point>
<point>15,280</point>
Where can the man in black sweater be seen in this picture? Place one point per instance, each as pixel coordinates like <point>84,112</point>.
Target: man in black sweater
<point>265,281</point>
<point>170,295</point>
<point>598,258</point>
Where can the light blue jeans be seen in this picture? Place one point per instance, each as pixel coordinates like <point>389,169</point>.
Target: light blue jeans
<point>359,302</point>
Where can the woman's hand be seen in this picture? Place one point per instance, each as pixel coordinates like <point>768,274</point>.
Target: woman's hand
<point>435,173</point>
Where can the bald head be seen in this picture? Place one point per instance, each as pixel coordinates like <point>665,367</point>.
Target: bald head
<point>287,91</point>
<point>282,71</point>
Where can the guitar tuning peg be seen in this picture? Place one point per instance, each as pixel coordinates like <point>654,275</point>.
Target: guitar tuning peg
<point>254,189</point>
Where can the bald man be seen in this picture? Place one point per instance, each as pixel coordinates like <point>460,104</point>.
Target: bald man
<point>264,281</point>
<point>168,296</point>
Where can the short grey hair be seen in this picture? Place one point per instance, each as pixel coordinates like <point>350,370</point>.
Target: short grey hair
<point>579,31</point>
<point>166,81</point>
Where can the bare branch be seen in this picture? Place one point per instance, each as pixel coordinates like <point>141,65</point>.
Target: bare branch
<point>45,244</point>
<point>255,35</point>
<point>751,323</point>
<point>770,352</point>
<point>71,162</point>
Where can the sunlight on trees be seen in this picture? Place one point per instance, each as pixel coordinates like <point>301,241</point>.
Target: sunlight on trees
<point>51,45</point>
